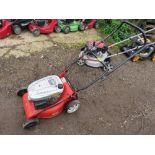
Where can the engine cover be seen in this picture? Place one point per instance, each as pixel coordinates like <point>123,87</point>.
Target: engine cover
<point>45,88</point>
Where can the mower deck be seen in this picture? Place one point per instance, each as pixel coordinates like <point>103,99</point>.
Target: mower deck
<point>50,112</point>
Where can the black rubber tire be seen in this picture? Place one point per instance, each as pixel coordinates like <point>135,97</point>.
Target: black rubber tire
<point>1,23</point>
<point>36,32</point>
<point>21,92</point>
<point>17,29</point>
<point>66,30</point>
<point>30,123</point>
<point>144,57</point>
<point>86,27</point>
<point>72,104</point>
<point>96,26</point>
<point>82,27</point>
<point>57,29</point>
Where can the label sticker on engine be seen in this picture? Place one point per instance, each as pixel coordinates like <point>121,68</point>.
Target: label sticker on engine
<point>63,80</point>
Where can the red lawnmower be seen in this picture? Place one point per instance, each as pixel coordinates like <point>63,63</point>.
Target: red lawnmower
<point>49,96</point>
<point>90,23</point>
<point>5,28</point>
<point>42,26</point>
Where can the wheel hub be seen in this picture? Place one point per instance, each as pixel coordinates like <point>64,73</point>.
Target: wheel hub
<point>73,108</point>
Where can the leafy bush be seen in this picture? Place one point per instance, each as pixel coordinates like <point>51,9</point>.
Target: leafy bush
<point>107,25</point>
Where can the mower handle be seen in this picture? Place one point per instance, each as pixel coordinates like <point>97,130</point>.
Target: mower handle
<point>107,73</point>
<point>115,30</point>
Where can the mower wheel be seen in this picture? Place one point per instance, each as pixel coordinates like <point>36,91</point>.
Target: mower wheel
<point>86,27</point>
<point>36,32</point>
<point>81,62</point>
<point>82,27</point>
<point>57,29</point>
<point>21,92</point>
<point>17,29</point>
<point>96,26</point>
<point>30,123</point>
<point>66,29</point>
<point>72,106</point>
<point>109,67</point>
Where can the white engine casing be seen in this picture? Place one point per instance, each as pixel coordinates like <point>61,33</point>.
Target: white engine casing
<point>45,88</point>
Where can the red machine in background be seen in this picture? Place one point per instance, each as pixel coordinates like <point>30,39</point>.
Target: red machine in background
<point>90,23</point>
<point>42,26</point>
<point>5,28</point>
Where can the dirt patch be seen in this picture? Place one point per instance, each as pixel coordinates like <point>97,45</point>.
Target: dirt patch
<point>123,104</point>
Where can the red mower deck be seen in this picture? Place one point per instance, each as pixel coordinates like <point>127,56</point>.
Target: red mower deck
<point>67,95</point>
<point>43,29</point>
<point>92,23</point>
